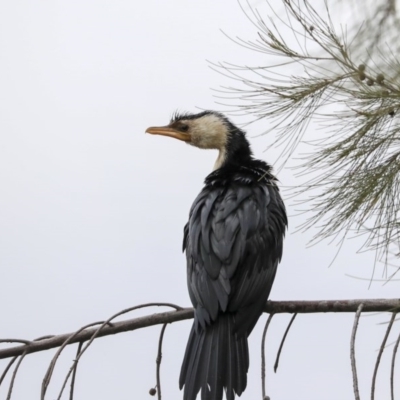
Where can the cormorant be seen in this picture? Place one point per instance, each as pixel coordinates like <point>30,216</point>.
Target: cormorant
<point>233,244</point>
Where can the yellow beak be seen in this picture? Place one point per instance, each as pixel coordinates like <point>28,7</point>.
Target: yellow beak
<point>168,131</point>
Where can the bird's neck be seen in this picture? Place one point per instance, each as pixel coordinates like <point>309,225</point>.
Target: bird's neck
<point>220,161</point>
<point>236,152</point>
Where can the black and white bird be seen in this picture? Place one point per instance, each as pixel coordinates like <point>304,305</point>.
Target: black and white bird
<point>233,242</point>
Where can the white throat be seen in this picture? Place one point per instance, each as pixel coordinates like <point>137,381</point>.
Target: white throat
<point>220,159</point>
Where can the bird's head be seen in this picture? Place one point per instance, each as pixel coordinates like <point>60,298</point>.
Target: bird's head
<point>207,130</point>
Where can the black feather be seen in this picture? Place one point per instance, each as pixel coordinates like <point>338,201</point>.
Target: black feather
<point>233,242</point>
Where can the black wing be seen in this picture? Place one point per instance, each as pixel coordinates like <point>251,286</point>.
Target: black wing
<point>233,243</point>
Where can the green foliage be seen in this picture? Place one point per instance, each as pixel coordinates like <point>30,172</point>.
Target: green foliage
<point>353,93</point>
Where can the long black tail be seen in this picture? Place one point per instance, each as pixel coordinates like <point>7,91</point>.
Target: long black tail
<point>215,358</point>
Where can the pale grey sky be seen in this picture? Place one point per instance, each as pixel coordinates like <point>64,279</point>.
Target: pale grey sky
<point>92,209</point>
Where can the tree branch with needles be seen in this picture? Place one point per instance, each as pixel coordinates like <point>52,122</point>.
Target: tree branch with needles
<point>315,74</point>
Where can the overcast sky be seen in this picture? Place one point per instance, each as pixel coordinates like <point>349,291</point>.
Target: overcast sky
<point>92,209</point>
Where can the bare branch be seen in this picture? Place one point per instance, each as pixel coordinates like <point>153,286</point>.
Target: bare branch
<point>49,372</point>
<point>352,351</point>
<point>378,359</point>
<point>14,375</point>
<point>9,365</point>
<point>118,327</point>
<point>99,329</point>
<point>15,341</point>
<point>71,392</point>
<point>276,307</point>
<point>158,361</point>
<point>392,367</point>
<point>324,306</point>
<point>263,355</point>
<point>282,342</point>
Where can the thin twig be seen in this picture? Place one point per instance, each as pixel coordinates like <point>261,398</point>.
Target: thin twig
<point>118,327</point>
<point>3,375</point>
<point>282,342</point>
<point>44,337</point>
<point>16,341</point>
<point>19,362</point>
<point>50,369</point>
<point>96,334</point>
<point>14,376</point>
<point>263,355</point>
<point>352,352</point>
<point>158,361</point>
<point>378,359</point>
<point>392,368</point>
<point>71,392</point>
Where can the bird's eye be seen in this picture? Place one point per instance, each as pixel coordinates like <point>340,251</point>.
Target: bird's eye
<point>184,128</point>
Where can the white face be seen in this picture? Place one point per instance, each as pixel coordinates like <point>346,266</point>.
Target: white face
<point>207,132</point>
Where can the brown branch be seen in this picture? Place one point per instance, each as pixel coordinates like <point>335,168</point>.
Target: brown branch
<point>352,352</point>
<point>15,341</point>
<point>99,329</point>
<point>263,355</point>
<point>318,306</point>
<point>276,307</point>
<point>71,392</point>
<point>378,359</point>
<point>14,375</point>
<point>278,355</point>
<point>49,372</point>
<point>392,367</point>
<point>158,361</point>
<point>9,365</point>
